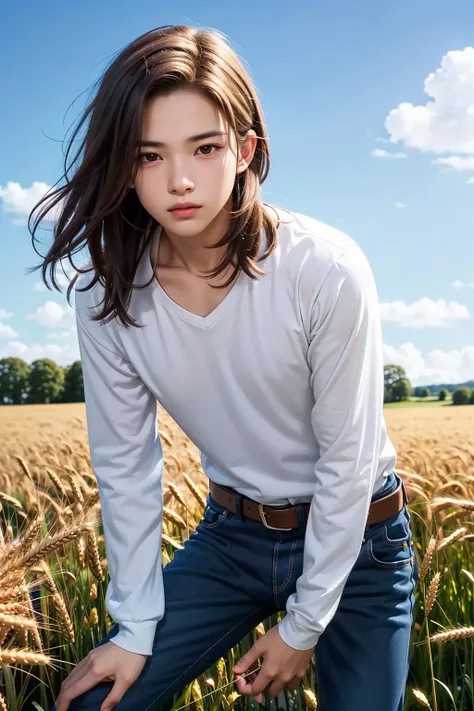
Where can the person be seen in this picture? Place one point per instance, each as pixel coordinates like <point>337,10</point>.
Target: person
<point>257,329</point>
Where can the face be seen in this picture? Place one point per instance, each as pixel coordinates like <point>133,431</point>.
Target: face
<point>179,161</point>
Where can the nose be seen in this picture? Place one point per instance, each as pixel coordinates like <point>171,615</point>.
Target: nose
<point>179,181</point>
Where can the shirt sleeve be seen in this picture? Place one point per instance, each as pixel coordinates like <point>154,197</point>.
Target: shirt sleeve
<point>127,459</point>
<point>346,363</point>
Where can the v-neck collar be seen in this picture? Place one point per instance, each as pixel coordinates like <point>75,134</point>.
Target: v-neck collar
<point>201,321</point>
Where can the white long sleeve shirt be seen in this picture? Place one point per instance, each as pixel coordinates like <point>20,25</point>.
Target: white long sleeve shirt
<point>281,388</point>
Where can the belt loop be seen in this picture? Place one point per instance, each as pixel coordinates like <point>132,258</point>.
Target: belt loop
<point>405,497</point>
<point>238,506</point>
<point>300,516</point>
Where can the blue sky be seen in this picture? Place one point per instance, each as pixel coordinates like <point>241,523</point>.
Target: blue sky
<point>355,141</point>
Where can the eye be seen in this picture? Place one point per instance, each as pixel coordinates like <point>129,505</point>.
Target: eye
<point>148,155</point>
<point>210,145</point>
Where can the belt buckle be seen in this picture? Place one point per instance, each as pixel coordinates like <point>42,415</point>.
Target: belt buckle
<point>266,524</point>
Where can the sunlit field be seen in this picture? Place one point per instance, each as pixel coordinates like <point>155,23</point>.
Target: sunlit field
<point>53,570</point>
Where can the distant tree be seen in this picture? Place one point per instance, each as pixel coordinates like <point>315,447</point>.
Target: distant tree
<point>73,383</point>
<point>443,394</point>
<point>424,392</point>
<point>401,390</point>
<point>46,382</point>
<point>461,396</point>
<point>471,398</point>
<point>14,381</point>
<point>392,375</point>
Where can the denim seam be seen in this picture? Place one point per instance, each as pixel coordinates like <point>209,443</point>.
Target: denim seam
<point>254,612</point>
<point>290,567</point>
<point>206,524</point>
<point>275,566</point>
<point>394,565</point>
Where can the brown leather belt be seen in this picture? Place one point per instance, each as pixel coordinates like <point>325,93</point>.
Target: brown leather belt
<point>286,519</point>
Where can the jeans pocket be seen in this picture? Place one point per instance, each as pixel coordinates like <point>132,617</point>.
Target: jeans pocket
<point>212,517</point>
<point>389,543</point>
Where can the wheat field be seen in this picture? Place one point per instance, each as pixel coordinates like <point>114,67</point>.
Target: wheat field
<point>53,570</point>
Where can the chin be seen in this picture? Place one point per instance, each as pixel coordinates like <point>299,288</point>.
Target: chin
<point>188,226</point>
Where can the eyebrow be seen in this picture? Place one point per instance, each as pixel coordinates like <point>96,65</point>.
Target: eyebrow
<point>191,139</point>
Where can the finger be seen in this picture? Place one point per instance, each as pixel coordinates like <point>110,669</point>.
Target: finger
<point>247,660</point>
<point>244,688</point>
<point>293,684</point>
<point>276,687</point>
<point>77,673</point>
<point>261,682</point>
<point>83,684</point>
<point>118,690</point>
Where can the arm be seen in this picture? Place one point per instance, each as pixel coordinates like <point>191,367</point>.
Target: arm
<point>127,459</point>
<point>346,361</point>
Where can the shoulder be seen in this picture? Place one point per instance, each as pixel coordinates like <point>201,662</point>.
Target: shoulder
<point>88,301</point>
<point>319,254</point>
<point>86,295</point>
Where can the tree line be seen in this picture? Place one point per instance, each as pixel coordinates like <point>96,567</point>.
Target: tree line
<point>45,382</point>
<point>397,387</point>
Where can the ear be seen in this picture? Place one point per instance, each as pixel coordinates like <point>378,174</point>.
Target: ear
<point>247,151</point>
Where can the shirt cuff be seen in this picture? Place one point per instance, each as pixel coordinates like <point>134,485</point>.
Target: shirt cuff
<point>294,636</point>
<point>136,637</point>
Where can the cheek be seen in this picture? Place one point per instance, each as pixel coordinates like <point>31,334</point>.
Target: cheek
<point>147,187</point>
<point>224,174</point>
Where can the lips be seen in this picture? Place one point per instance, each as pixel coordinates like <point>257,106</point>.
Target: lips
<point>183,206</point>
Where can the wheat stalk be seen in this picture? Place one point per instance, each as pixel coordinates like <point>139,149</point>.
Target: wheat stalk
<point>18,622</point>
<point>174,517</point>
<point>93,556</point>
<point>176,493</point>
<point>23,656</point>
<point>444,503</point>
<point>452,538</point>
<point>194,490</point>
<point>455,633</point>
<point>51,543</point>
<point>427,558</point>
<point>58,484</point>
<point>432,593</point>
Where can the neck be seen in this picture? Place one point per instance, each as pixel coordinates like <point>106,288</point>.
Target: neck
<point>191,254</point>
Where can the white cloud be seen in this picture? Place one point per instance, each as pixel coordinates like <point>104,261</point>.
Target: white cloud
<point>53,315</point>
<point>21,201</point>
<point>5,314</point>
<point>59,336</point>
<point>446,122</point>
<point>470,181</point>
<point>7,331</point>
<point>455,366</point>
<point>40,286</point>
<point>461,284</point>
<point>399,204</point>
<point>61,354</point>
<point>381,153</point>
<point>424,313</point>
<point>457,162</point>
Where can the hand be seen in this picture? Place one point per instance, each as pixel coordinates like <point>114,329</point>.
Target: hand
<point>109,662</point>
<point>282,666</point>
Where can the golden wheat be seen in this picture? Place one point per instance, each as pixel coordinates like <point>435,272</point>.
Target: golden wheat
<point>432,592</point>
<point>452,538</point>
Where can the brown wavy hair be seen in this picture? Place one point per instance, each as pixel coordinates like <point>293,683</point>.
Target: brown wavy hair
<point>98,208</point>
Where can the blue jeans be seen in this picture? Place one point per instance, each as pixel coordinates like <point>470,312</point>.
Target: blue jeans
<point>234,573</point>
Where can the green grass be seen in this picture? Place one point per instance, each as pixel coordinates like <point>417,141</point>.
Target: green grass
<point>420,402</point>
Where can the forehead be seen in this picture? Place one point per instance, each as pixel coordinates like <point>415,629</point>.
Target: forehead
<point>176,116</point>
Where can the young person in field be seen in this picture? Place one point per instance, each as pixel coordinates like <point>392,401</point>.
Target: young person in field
<point>258,330</point>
